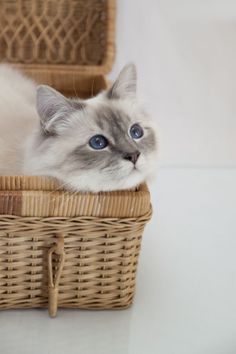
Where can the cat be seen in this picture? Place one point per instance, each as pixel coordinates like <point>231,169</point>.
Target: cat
<point>104,143</point>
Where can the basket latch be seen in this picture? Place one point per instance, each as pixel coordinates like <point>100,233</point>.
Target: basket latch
<point>53,279</point>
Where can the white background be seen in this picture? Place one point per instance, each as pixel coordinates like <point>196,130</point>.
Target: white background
<point>185,51</point>
<point>185,299</point>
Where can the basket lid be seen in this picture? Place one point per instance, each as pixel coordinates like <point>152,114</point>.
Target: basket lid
<point>58,36</point>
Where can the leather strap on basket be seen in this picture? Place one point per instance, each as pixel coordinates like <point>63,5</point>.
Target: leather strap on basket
<point>53,279</point>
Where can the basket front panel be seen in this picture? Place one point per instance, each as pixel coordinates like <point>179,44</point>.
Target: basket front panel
<point>100,266</point>
<point>56,32</point>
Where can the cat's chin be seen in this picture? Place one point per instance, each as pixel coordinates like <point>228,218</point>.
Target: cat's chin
<point>95,184</point>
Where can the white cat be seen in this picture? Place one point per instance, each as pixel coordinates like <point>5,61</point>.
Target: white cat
<point>100,144</point>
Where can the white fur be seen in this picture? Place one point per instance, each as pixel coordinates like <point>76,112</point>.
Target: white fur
<point>19,131</point>
<point>18,118</point>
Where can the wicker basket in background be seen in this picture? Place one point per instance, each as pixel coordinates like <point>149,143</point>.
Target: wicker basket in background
<point>59,248</point>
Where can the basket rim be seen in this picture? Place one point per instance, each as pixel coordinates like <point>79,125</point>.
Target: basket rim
<point>41,197</point>
<point>49,184</point>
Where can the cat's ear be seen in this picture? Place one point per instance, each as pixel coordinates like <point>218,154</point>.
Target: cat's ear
<point>125,85</point>
<point>54,109</point>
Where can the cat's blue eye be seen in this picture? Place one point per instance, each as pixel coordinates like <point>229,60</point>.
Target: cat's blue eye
<point>136,132</point>
<point>98,142</point>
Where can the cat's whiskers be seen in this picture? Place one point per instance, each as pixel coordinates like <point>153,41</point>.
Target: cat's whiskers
<point>92,86</point>
<point>60,188</point>
<point>63,148</point>
<point>75,90</point>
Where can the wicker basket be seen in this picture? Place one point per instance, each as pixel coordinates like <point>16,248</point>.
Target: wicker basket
<point>59,248</point>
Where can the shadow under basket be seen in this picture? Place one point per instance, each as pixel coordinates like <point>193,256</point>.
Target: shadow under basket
<point>60,249</point>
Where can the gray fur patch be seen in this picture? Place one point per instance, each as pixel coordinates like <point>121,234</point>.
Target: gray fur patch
<point>114,125</point>
<point>61,149</point>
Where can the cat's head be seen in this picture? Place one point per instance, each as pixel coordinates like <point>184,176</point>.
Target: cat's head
<point>100,144</point>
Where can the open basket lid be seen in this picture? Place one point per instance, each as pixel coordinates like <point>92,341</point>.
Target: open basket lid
<point>56,41</point>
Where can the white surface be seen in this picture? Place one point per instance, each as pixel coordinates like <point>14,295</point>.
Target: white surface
<point>185,52</point>
<point>186,290</point>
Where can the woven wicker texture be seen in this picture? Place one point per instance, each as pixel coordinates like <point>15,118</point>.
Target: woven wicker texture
<point>68,44</point>
<point>101,257</point>
<point>40,196</point>
<point>102,236</point>
<point>71,32</point>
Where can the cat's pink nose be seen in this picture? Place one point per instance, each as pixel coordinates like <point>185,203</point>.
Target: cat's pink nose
<point>132,157</point>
